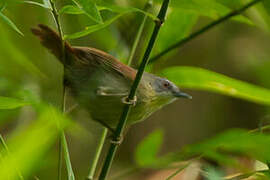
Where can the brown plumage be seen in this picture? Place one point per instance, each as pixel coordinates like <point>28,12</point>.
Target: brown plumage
<point>88,56</point>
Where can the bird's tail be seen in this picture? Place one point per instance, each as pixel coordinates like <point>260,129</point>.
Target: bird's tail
<point>51,40</point>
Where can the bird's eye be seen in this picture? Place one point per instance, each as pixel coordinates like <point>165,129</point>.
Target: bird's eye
<point>166,84</point>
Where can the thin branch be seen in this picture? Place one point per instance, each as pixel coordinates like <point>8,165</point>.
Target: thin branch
<point>139,34</point>
<point>63,147</point>
<point>97,154</point>
<point>122,122</point>
<point>203,30</point>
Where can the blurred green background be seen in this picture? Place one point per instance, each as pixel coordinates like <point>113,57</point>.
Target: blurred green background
<point>238,49</point>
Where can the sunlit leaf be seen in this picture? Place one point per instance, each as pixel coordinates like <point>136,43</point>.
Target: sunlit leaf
<point>90,8</point>
<point>146,152</point>
<point>11,103</point>
<point>28,147</point>
<point>10,23</point>
<point>201,79</point>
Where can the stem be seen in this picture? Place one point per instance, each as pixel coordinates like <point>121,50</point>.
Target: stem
<point>203,30</point>
<point>63,143</point>
<point>97,154</point>
<point>122,122</point>
<point>60,159</point>
<point>66,156</point>
<point>138,35</point>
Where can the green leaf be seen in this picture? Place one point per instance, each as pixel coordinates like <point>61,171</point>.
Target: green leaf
<point>37,4</point>
<point>209,8</point>
<point>10,23</point>
<point>70,9</point>
<point>11,103</point>
<point>121,10</point>
<point>146,152</point>
<point>90,29</point>
<point>29,146</point>
<point>201,79</point>
<point>170,34</point>
<point>90,9</point>
<point>236,141</point>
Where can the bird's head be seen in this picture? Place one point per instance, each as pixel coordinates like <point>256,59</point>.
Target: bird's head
<point>163,88</point>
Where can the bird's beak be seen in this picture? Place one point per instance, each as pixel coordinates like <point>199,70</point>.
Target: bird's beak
<point>182,95</point>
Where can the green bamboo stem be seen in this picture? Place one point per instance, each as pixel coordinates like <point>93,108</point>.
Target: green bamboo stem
<point>66,157</point>
<point>138,35</point>
<point>97,154</point>
<point>203,30</point>
<point>63,147</point>
<point>120,127</point>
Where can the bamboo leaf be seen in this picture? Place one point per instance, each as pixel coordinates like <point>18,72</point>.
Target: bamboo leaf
<point>70,9</point>
<point>201,79</point>
<point>90,29</point>
<point>121,10</point>
<point>10,23</point>
<point>37,4</point>
<point>90,9</point>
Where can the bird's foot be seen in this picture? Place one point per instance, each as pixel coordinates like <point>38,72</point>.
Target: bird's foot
<point>128,101</point>
<point>117,141</point>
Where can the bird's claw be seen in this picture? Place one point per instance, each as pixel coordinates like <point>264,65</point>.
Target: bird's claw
<point>117,141</point>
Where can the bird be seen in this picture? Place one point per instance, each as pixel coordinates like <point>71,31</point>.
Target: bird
<point>101,83</point>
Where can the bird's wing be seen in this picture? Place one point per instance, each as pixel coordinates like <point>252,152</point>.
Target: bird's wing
<point>95,57</point>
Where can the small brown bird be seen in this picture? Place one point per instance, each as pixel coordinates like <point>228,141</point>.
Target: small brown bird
<point>100,83</point>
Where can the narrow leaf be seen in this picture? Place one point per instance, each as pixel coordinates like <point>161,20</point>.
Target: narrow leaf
<point>11,103</point>
<point>70,9</point>
<point>37,4</point>
<point>90,8</point>
<point>120,9</point>
<point>10,23</point>
<point>90,29</point>
<point>201,79</point>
